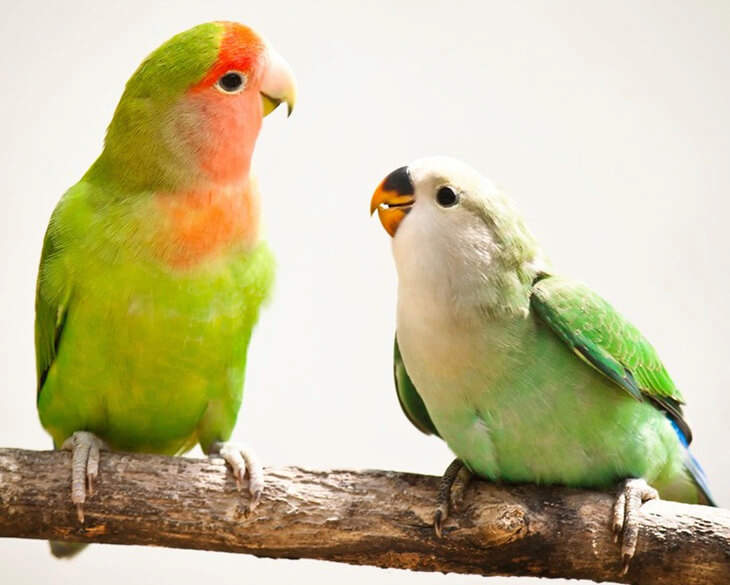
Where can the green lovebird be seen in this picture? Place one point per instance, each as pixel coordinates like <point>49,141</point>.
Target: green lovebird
<point>528,376</point>
<point>152,271</point>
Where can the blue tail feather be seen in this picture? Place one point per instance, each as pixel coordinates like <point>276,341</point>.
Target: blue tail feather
<point>693,467</point>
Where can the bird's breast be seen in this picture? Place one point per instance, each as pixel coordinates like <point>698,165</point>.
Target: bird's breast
<point>451,357</point>
<point>199,224</point>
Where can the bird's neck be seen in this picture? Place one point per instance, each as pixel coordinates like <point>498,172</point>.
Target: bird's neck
<point>200,139</point>
<point>465,280</point>
<point>198,225</point>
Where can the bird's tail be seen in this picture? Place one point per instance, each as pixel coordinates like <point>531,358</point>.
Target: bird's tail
<point>694,469</point>
<point>66,550</point>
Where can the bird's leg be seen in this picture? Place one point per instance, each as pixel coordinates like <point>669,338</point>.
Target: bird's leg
<point>244,463</point>
<point>85,448</point>
<point>631,495</point>
<point>451,492</point>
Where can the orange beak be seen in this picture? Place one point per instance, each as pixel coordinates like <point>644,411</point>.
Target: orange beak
<point>393,199</point>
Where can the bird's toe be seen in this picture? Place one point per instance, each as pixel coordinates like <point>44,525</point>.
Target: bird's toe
<point>244,465</point>
<point>625,522</point>
<point>85,450</point>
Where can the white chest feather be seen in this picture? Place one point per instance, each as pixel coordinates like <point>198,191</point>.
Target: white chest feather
<point>451,347</point>
<point>454,358</point>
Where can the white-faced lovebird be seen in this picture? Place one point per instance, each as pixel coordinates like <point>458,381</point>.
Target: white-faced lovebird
<point>527,375</point>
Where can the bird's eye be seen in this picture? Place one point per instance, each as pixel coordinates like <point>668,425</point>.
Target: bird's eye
<point>446,197</point>
<point>231,82</point>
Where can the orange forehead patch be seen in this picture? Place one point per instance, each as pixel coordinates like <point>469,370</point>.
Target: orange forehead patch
<point>241,49</point>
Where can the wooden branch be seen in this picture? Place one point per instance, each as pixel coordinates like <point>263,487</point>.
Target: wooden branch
<point>379,518</point>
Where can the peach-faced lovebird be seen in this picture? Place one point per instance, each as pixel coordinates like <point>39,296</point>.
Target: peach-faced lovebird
<point>528,376</point>
<point>152,271</point>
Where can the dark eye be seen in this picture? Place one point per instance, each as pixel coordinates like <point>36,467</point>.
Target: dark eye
<point>446,197</point>
<point>232,82</point>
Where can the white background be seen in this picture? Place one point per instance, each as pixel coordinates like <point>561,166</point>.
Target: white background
<point>609,125</point>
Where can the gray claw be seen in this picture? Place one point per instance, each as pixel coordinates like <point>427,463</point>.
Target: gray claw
<point>450,494</point>
<point>85,450</point>
<point>625,524</point>
<point>244,464</point>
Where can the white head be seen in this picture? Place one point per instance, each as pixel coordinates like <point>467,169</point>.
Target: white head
<point>456,234</point>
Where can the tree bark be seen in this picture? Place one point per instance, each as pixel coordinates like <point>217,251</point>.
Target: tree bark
<point>379,518</point>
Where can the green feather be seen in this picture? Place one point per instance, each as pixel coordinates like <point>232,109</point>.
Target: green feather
<point>410,401</point>
<point>527,377</point>
<point>138,153</point>
<point>50,309</point>
<point>599,335</point>
<point>147,356</point>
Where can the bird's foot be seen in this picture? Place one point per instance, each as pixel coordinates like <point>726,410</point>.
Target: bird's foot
<point>451,493</point>
<point>85,448</point>
<point>244,463</point>
<point>632,494</point>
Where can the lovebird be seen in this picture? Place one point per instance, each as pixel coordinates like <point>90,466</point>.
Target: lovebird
<point>527,375</point>
<point>152,271</point>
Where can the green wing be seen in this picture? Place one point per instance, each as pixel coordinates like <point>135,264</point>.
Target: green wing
<point>599,335</point>
<point>51,301</point>
<point>408,396</point>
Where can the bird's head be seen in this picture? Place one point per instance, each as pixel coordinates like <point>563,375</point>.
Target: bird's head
<point>192,111</point>
<point>452,226</point>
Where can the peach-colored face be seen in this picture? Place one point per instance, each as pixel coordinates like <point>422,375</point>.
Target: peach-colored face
<point>220,117</point>
<point>216,124</point>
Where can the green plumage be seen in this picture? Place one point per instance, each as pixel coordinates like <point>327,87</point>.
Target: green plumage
<point>147,354</point>
<point>141,153</point>
<point>600,336</point>
<point>411,403</point>
<point>539,411</point>
<point>527,376</point>
<point>146,357</point>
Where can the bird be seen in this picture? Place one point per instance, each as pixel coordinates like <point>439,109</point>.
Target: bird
<point>528,376</point>
<point>153,269</point>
